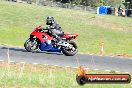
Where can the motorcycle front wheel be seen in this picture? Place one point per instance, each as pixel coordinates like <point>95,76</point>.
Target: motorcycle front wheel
<point>70,51</point>
<point>31,45</point>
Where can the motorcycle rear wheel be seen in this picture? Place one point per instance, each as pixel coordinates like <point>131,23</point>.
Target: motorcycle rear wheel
<point>70,52</point>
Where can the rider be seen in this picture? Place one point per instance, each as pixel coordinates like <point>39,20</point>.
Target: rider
<point>54,29</point>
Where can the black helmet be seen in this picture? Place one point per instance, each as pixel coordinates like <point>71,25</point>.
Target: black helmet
<point>49,20</point>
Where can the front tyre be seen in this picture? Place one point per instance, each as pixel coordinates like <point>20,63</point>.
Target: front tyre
<point>71,50</point>
<point>31,45</point>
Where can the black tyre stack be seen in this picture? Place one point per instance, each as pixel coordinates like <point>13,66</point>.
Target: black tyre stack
<point>112,10</point>
<point>129,13</point>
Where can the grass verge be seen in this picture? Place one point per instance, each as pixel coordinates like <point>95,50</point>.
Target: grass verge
<point>21,75</point>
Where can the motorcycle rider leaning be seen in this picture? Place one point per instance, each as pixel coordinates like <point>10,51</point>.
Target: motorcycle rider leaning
<point>54,29</point>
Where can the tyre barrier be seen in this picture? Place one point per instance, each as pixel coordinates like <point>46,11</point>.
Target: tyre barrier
<point>129,12</point>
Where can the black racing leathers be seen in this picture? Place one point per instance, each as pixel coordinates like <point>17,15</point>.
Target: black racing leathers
<point>56,31</point>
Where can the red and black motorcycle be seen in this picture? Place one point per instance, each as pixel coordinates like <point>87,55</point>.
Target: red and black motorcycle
<point>38,41</point>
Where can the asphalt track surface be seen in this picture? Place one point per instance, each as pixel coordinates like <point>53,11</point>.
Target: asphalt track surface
<point>89,61</point>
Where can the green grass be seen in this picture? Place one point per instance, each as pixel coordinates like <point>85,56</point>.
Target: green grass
<point>43,76</point>
<point>17,20</point>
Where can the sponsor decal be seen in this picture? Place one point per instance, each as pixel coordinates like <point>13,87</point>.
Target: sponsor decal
<point>103,78</point>
<point>83,78</point>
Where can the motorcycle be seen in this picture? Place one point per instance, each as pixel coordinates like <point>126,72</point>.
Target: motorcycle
<point>39,41</point>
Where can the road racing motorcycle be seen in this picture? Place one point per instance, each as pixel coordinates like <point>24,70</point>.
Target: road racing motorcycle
<point>38,42</point>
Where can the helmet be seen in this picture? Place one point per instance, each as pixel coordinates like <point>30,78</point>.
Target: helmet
<point>50,20</point>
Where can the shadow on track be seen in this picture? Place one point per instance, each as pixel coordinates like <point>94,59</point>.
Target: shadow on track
<point>23,50</point>
<point>14,49</point>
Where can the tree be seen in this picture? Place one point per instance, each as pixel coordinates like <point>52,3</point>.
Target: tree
<point>128,4</point>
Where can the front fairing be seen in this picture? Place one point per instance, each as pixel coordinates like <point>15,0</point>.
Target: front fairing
<point>42,37</point>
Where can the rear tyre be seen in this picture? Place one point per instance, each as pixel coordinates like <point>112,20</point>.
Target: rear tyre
<point>70,51</point>
<point>31,45</point>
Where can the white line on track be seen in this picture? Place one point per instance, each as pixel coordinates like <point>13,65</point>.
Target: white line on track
<point>12,61</point>
<point>56,65</point>
<point>96,69</point>
<point>87,68</point>
<point>65,66</point>
<point>108,70</point>
<point>75,67</point>
<point>1,60</point>
<point>22,62</point>
<point>35,63</point>
<point>127,72</point>
<point>117,71</point>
